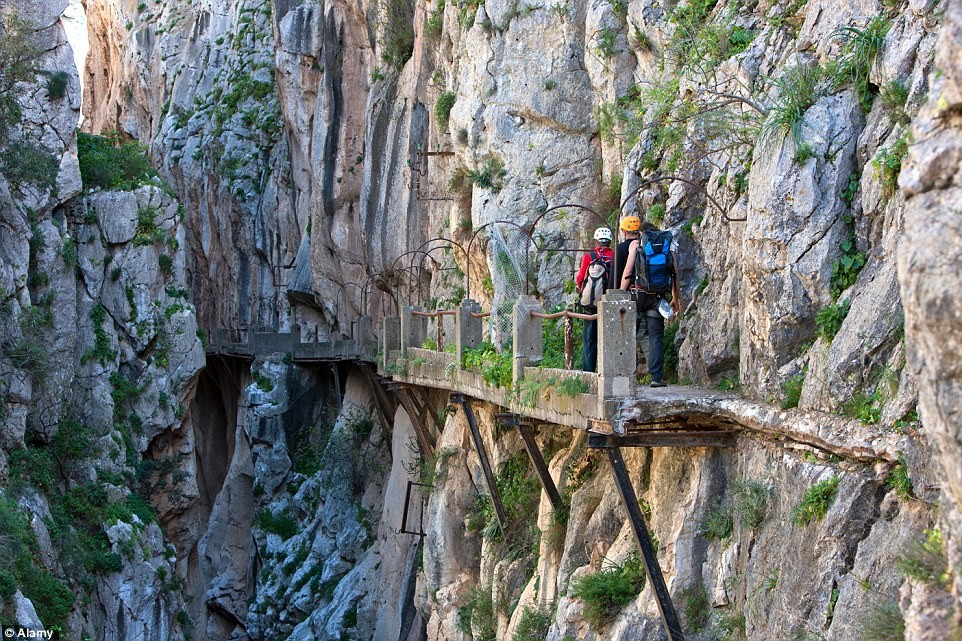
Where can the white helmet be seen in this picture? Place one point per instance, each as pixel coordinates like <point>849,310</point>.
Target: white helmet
<point>603,233</point>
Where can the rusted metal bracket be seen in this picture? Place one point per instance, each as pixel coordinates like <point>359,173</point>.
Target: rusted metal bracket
<point>404,516</point>
<point>534,453</point>
<point>489,479</point>
<point>656,579</point>
<point>419,168</point>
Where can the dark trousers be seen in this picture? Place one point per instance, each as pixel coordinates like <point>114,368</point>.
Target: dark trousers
<point>650,334</point>
<point>589,345</point>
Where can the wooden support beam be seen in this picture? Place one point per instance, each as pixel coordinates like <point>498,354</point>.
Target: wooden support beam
<point>425,440</point>
<point>388,407</point>
<point>676,438</point>
<point>537,460</point>
<point>489,479</point>
<point>656,580</point>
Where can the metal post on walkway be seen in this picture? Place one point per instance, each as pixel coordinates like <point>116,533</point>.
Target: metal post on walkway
<point>656,579</point>
<point>465,403</point>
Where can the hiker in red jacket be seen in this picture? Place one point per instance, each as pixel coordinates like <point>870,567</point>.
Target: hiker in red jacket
<point>593,280</point>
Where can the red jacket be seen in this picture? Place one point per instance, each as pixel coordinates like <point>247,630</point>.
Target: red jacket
<point>605,253</point>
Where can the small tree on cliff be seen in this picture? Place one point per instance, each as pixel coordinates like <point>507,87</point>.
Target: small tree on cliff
<point>18,55</point>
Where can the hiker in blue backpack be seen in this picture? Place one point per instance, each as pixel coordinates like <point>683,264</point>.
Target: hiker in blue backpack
<point>592,281</point>
<point>651,273</point>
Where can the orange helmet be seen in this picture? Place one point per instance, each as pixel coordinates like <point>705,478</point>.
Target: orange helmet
<point>630,223</point>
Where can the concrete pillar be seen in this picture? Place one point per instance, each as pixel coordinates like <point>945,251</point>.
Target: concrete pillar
<point>616,345</point>
<point>390,335</point>
<point>363,329</point>
<point>413,329</point>
<point>527,336</point>
<point>467,329</point>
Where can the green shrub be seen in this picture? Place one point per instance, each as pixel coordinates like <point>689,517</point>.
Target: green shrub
<point>797,91</point>
<point>732,623</point>
<point>899,480</point>
<point>101,350</point>
<point>792,391</point>
<point>442,109</point>
<point>816,502</point>
<point>533,625</point>
<point>29,163</point>
<point>57,84</point>
<point>395,18</point>
<point>282,523</point>
<point>883,622</point>
<point>435,22</point>
<point>893,97</point>
<point>829,320</point>
<point>697,608</point>
<point>749,502</point>
<point>859,56</point>
<point>494,367</point>
<point>264,383</point>
<point>924,560</point>
<point>477,616</point>
<point>106,163</point>
<point>490,175</point>
<point>865,407</point>
<point>572,387</point>
<point>888,165</point>
<point>607,591</point>
<point>846,269</point>
<point>166,264</point>
<point>605,43</point>
<point>719,523</point>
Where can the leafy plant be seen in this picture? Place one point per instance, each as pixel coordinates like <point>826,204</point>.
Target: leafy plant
<point>29,163</point>
<point>477,616</point>
<point>282,523</point>
<point>797,91</point>
<point>749,502</point>
<point>829,320</point>
<point>846,269</point>
<point>888,165</point>
<point>697,607</point>
<point>489,175</point>
<point>605,43</point>
<point>572,387</point>
<point>442,109</point>
<point>719,523</point>
<point>865,407</point>
<point>264,383</point>
<point>107,163</point>
<point>732,623</point>
<point>435,22</point>
<point>899,480</point>
<point>924,560</point>
<point>883,622</point>
<point>894,95</point>
<point>395,18</point>
<point>816,502</point>
<point>18,64</point>
<point>859,56</point>
<point>607,591</point>
<point>792,390</point>
<point>533,625</point>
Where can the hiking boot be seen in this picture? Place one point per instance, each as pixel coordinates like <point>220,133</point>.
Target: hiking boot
<point>658,384</point>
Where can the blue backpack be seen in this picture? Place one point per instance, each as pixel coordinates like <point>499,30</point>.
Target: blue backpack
<point>654,269</point>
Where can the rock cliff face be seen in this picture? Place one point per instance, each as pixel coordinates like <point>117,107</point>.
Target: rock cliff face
<point>817,272</point>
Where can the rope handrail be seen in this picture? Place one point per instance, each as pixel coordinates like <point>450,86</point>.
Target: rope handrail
<point>564,314</point>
